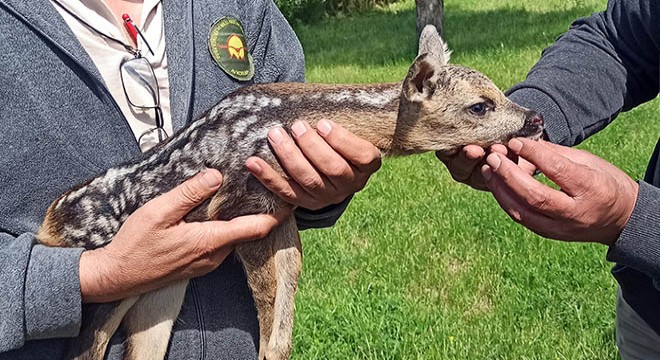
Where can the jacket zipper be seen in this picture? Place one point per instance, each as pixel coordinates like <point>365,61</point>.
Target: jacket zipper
<point>200,319</point>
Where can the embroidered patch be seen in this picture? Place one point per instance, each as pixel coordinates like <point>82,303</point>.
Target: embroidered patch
<point>228,48</point>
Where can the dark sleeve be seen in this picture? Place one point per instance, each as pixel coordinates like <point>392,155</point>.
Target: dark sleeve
<point>40,291</point>
<point>604,64</point>
<point>638,246</point>
<point>282,59</point>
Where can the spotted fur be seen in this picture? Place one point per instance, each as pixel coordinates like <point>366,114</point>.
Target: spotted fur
<point>429,110</point>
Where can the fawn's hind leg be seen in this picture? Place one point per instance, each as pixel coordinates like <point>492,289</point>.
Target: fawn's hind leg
<point>259,264</point>
<point>272,266</point>
<point>100,322</point>
<point>149,322</point>
<point>288,262</point>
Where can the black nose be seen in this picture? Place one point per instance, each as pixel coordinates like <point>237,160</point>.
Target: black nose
<point>537,119</point>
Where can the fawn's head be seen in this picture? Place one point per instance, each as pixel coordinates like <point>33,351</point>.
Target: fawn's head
<point>444,106</point>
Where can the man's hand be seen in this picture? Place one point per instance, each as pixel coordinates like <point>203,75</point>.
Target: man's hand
<point>465,165</point>
<point>155,247</point>
<point>326,165</point>
<point>594,204</point>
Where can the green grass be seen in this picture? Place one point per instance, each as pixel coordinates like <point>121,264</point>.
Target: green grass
<point>420,267</point>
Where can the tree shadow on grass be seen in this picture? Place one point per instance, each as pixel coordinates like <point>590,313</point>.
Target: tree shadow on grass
<point>381,38</point>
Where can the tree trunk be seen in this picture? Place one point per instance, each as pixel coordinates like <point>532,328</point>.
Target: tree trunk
<point>430,12</point>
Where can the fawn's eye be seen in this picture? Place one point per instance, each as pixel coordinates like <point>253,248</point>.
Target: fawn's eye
<point>479,109</point>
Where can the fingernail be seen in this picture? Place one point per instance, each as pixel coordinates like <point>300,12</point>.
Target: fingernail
<point>324,127</point>
<point>276,135</point>
<point>211,178</point>
<point>298,128</point>
<point>515,145</point>
<point>253,166</point>
<point>486,172</point>
<point>494,161</point>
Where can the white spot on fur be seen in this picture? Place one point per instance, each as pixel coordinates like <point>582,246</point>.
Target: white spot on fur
<point>377,98</point>
<point>263,101</point>
<point>241,126</point>
<point>340,97</point>
<point>117,174</point>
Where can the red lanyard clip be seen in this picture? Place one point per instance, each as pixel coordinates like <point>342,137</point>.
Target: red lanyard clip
<point>134,31</point>
<point>130,27</point>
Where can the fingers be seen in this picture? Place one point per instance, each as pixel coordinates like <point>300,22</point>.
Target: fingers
<point>288,190</point>
<point>463,164</point>
<point>519,210</point>
<point>294,161</point>
<point>172,206</point>
<point>325,166</point>
<point>548,158</point>
<point>243,228</point>
<point>362,154</point>
<point>250,227</point>
<point>524,188</point>
<point>318,151</point>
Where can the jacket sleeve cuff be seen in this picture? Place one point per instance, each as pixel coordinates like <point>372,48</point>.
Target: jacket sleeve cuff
<point>52,293</point>
<point>556,126</point>
<point>321,218</point>
<point>638,246</point>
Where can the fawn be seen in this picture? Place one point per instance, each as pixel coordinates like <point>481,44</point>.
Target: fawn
<point>437,107</point>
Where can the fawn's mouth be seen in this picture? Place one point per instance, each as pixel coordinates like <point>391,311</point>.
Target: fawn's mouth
<point>538,135</point>
<point>533,127</point>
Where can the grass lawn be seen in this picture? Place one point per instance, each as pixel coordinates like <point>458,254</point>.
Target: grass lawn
<point>420,267</point>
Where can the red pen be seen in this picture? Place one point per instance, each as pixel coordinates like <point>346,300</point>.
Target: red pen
<point>130,27</point>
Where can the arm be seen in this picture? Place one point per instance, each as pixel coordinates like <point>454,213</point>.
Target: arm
<point>40,291</point>
<point>638,246</point>
<point>603,65</point>
<point>596,202</point>
<point>326,167</point>
<point>43,287</point>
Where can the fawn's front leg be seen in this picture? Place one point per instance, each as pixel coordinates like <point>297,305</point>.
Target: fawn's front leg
<point>149,322</point>
<point>272,266</point>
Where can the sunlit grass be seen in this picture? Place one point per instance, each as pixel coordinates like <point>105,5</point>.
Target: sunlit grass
<point>420,267</point>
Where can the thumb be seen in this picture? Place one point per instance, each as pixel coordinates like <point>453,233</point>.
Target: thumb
<point>178,202</point>
<point>245,228</point>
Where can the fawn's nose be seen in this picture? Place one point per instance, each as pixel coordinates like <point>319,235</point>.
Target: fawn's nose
<point>537,119</point>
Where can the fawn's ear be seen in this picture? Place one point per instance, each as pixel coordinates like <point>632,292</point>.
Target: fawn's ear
<point>422,79</point>
<point>431,43</point>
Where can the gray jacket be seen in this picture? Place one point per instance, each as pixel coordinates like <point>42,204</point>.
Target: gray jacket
<point>605,64</point>
<point>60,126</point>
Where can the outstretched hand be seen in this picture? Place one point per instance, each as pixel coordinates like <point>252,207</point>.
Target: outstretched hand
<point>326,165</point>
<point>155,247</point>
<point>594,203</point>
<point>465,164</point>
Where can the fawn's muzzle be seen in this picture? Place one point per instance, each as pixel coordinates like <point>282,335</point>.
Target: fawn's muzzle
<point>533,126</point>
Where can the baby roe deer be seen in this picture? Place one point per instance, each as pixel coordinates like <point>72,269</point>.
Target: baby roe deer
<point>437,107</point>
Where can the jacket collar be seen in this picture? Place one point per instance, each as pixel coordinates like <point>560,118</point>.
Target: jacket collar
<point>179,40</point>
<point>44,18</point>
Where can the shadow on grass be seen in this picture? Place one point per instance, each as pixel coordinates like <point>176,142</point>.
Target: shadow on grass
<point>380,38</point>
